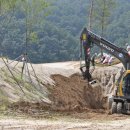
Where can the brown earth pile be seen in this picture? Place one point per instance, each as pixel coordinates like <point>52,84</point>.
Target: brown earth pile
<point>68,94</point>
<point>74,93</point>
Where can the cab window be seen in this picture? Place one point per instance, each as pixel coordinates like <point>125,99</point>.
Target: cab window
<point>126,85</point>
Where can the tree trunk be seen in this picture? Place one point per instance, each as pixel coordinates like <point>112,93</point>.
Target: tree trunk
<point>103,22</point>
<point>90,14</point>
<point>0,7</point>
<point>103,17</point>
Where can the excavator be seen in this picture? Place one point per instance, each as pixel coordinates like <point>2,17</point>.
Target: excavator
<point>120,101</point>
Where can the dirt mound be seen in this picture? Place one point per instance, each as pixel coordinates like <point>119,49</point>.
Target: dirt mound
<point>74,93</point>
<point>69,94</point>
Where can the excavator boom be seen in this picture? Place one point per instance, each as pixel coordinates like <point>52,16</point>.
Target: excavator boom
<point>119,53</point>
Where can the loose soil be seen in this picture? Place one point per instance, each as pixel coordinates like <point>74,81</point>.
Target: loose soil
<point>68,94</point>
<point>74,93</point>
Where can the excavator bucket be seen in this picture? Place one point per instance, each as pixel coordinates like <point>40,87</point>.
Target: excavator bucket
<point>95,83</point>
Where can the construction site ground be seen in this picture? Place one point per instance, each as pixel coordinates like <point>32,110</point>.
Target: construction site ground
<point>64,100</point>
<point>65,121</point>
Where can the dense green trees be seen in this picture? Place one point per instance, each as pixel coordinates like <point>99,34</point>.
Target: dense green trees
<point>55,37</point>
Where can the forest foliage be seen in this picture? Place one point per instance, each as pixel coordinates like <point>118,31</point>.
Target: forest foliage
<point>53,27</point>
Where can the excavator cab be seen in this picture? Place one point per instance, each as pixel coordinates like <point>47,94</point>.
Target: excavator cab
<point>124,86</point>
<point>121,101</point>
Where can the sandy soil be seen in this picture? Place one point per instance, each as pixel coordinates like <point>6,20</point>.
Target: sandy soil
<point>74,93</point>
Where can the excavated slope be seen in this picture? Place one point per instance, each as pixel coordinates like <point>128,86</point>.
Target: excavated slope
<point>60,86</point>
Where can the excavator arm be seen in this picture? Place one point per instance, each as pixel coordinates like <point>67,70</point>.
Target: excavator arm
<point>88,38</point>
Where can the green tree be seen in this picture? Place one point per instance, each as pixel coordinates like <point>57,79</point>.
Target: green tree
<point>6,5</point>
<point>91,14</point>
<point>33,11</point>
<point>103,11</point>
<point>58,33</point>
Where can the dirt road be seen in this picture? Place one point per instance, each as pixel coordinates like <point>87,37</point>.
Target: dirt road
<point>66,123</point>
